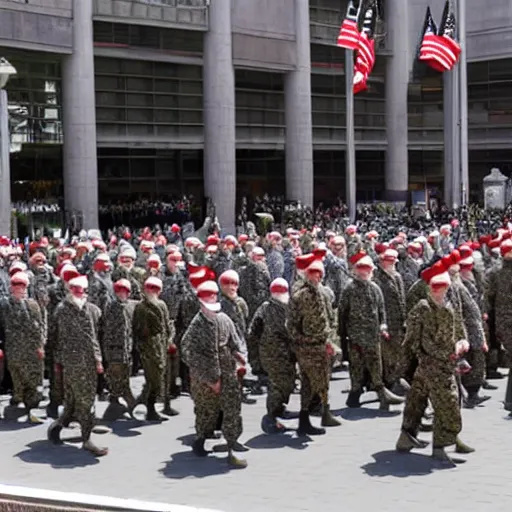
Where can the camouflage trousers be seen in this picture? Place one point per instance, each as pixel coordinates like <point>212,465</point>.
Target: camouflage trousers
<point>79,395</point>
<point>154,373</point>
<point>172,370</point>
<point>365,363</point>
<point>392,360</point>
<point>442,391</point>
<point>474,379</point>
<point>281,377</point>
<point>253,353</point>
<point>55,380</point>
<point>207,406</point>
<point>118,379</point>
<point>27,377</point>
<point>314,369</point>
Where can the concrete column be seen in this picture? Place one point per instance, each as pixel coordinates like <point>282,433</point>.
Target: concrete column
<point>219,114</point>
<point>452,175</point>
<point>397,81</point>
<point>5,167</point>
<point>299,125</point>
<point>79,120</point>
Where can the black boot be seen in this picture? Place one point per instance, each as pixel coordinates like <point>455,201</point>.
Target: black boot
<point>152,415</point>
<point>198,447</point>
<point>353,399</point>
<point>270,425</point>
<point>53,433</point>
<point>305,427</point>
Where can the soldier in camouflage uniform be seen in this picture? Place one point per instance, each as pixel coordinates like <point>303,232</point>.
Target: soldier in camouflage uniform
<point>498,298</point>
<point>308,325</point>
<point>22,325</point>
<point>100,293</point>
<point>56,293</point>
<point>275,259</point>
<point>436,338</point>
<point>117,344</point>
<point>126,269</point>
<point>291,249</point>
<point>153,333</point>
<point>41,277</point>
<point>408,265</point>
<point>362,319</point>
<point>268,328</point>
<point>392,287</point>
<point>78,358</point>
<point>475,335</point>
<point>353,241</point>
<point>174,287</point>
<point>254,289</point>
<point>154,267</point>
<point>211,349</point>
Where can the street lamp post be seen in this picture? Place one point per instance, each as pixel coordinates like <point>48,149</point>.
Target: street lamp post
<point>6,71</point>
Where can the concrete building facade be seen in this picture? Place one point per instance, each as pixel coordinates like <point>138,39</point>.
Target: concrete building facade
<point>118,100</point>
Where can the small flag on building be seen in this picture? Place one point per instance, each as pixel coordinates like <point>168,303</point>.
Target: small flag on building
<point>365,58</point>
<point>349,32</point>
<point>439,50</point>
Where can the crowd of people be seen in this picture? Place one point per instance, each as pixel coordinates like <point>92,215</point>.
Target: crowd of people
<point>418,306</point>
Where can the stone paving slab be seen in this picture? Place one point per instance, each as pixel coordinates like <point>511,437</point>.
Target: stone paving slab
<point>352,468</point>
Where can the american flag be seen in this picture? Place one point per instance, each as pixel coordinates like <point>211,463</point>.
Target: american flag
<point>439,48</point>
<point>365,58</point>
<point>349,32</point>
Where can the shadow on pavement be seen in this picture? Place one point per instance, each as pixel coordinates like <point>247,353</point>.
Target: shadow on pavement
<point>187,439</point>
<point>13,426</point>
<point>401,465</point>
<point>356,414</point>
<point>186,464</point>
<point>285,440</point>
<point>59,457</point>
<point>126,428</point>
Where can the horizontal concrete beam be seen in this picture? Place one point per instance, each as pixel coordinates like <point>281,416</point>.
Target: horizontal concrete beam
<point>29,498</point>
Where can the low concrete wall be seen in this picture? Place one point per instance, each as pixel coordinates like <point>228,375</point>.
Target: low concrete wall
<point>24,499</point>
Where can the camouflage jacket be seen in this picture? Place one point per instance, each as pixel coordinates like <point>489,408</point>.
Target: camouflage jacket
<point>117,339</point>
<point>409,269</point>
<point>174,286</point>
<point>101,290</point>
<point>362,313</point>
<point>473,290</point>
<point>471,315</point>
<point>76,335</point>
<point>275,262</point>
<point>336,276</point>
<point>135,276</point>
<point>39,281</point>
<point>254,285</point>
<point>187,309</point>
<point>498,299</point>
<point>208,347</point>
<point>392,288</point>
<point>153,330</point>
<point>23,329</point>
<point>432,331</point>
<point>238,312</point>
<point>308,320</point>
<point>268,329</point>
<point>418,291</point>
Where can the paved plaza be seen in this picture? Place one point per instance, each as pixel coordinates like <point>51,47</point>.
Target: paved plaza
<point>352,468</point>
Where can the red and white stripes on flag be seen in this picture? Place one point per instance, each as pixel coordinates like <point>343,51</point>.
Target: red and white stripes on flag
<point>439,52</point>
<point>348,37</point>
<point>365,60</point>
<point>439,49</point>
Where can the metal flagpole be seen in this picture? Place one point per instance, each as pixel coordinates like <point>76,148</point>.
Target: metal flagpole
<point>463,99</point>
<point>350,151</point>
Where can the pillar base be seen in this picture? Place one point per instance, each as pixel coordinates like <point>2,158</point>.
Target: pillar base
<point>397,196</point>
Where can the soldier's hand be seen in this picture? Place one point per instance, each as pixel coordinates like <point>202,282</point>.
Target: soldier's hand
<point>172,349</point>
<point>216,387</point>
<point>99,368</point>
<point>330,350</point>
<point>485,347</point>
<point>1,354</point>
<point>485,317</point>
<point>40,353</point>
<point>461,347</point>
<point>385,335</point>
<point>58,368</point>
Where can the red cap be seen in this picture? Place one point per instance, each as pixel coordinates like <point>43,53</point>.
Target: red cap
<point>465,251</point>
<point>439,268</point>
<point>304,261</point>
<point>175,228</point>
